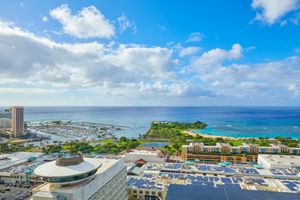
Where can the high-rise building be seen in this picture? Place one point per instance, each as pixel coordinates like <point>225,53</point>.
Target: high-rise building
<point>17,123</point>
<point>5,119</point>
<point>72,177</point>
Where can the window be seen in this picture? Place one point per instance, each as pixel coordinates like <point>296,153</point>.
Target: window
<point>69,178</point>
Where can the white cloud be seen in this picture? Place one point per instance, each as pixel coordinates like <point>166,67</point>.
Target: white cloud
<point>270,79</point>
<point>79,64</point>
<point>35,91</point>
<point>45,18</point>
<point>189,51</point>
<point>125,23</point>
<point>121,71</point>
<point>88,23</point>
<point>176,88</point>
<point>195,37</point>
<point>270,11</point>
<point>217,56</point>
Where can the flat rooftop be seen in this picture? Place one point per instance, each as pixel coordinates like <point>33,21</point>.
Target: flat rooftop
<point>281,159</point>
<point>9,160</point>
<point>143,152</point>
<point>196,192</point>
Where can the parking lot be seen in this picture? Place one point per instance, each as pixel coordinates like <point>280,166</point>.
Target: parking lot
<point>14,192</point>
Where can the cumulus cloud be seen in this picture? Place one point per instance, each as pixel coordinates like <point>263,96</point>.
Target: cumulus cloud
<point>270,11</point>
<point>271,79</point>
<point>45,18</point>
<point>88,23</point>
<point>35,91</point>
<point>125,23</point>
<point>137,70</point>
<point>79,64</point>
<point>215,57</point>
<point>189,51</point>
<point>195,37</point>
<point>175,88</point>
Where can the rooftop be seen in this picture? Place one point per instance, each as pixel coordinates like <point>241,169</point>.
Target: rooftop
<point>9,160</point>
<point>70,166</point>
<point>281,159</point>
<point>193,192</point>
<point>106,164</point>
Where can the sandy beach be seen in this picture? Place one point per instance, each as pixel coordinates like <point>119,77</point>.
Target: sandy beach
<point>211,136</point>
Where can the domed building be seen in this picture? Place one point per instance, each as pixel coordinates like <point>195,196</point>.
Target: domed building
<point>73,177</point>
<point>68,169</point>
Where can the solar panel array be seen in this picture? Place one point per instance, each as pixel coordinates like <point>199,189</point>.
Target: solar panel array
<point>283,172</point>
<point>292,185</point>
<point>143,183</point>
<point>250,171</point>
<point>203,192</point>
<point>215,168</point>
<point>173,166</point>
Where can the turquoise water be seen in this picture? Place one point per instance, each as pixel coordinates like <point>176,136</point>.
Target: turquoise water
<point>226,121</point>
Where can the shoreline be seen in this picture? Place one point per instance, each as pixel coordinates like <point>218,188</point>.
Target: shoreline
<point>191,133</point>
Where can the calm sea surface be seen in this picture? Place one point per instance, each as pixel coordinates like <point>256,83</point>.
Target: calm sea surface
<point>227,121</point>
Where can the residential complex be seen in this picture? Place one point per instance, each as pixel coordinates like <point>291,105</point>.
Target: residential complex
<point>5,119</point>
<point>237,154</point>
<point>17,121</point>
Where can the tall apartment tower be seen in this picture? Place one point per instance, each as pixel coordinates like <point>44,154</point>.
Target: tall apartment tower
<point>17,121</point>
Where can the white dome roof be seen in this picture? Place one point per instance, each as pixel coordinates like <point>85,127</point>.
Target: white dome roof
<point>51,169</point>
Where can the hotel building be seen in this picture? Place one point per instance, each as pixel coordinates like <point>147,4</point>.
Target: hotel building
<point>73,177</point>
<point>236,154</point>
<point>5,119</point>
<point>17,121</point>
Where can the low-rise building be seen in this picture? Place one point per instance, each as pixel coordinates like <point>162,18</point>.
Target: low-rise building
<point>278,161</point>
<point>156,156</point>
<point>143,188</point>
<point>237,154</point>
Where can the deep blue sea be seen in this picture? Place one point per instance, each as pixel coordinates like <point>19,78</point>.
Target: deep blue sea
<point>226,121</point>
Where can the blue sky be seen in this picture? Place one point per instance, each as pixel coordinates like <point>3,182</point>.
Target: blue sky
<point>138,52</point>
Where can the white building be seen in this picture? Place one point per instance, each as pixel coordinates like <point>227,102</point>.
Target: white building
<point>5,123</point>
<point>9,160</point>
<point>149,156</point>
<point>77,178</point>
<point>274,161</point>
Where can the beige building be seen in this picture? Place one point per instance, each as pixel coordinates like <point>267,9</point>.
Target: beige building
<point>236,154</point>
<point>17,121</point>
<point>135,193</point>
<point>156,156</point>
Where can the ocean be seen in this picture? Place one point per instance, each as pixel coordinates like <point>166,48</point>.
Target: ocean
<point>222,121</point>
